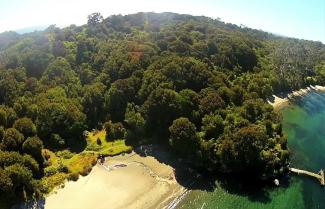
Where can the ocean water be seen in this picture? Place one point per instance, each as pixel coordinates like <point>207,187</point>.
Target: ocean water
<point>304,123</point>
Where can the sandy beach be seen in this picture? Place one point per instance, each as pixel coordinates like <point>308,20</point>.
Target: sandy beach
<point>283,101</point>
<point>128,181</point>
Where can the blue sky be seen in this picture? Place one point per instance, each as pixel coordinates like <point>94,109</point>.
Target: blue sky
<point>303,19</point>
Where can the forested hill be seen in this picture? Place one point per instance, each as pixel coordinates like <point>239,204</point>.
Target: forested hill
<point>193,84</point>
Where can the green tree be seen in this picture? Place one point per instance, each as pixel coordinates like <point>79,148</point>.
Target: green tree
<point>185,72</point>
<point>10,88</point>
<point>33,146</point>
<point>9,158</point>
<point>6,185</point>
<point>212,125</point>
<point>210,102</point>
<point>183,138</point>
<point>59,72</point>
<point>238,95</point>
<point>114,131</point>
<point>59,115</point>
<point>241,153</point>
<point>150,82</point>
<point>3,118</point>
<point>135,124</point>
<point>20,176</point>
<point>86,74</point>
<point>190,104</point>
<point>25,126</point>
<point>121,92</point>
<point>35,61</point>
<point>161,108</point>
<point>94,18</point>
<point>12,139</point>
<point>226,94</point>
<point>93,102</point>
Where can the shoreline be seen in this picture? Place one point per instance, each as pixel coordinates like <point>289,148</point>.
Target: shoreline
<point>123,181</point>
<point>280,102</point>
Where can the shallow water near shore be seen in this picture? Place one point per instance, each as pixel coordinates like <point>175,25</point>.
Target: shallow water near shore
<point>304,123</point>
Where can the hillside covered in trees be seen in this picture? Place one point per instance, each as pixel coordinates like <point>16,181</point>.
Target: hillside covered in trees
<point>195,85</point>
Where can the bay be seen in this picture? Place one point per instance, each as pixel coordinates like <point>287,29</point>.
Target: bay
<point>304,123</point>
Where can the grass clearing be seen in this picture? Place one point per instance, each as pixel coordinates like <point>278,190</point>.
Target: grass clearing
<point>96,141</point>
<point>50,182</point>
<point>64,164</point>
<point>81,163</point>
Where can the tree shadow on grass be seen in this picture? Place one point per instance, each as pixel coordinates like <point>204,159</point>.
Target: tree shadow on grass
<point>77,145</point>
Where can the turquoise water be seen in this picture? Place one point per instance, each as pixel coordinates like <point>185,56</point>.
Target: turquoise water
<point>304,123</point>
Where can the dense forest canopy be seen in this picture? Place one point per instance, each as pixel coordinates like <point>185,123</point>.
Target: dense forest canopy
<point>193,84</point>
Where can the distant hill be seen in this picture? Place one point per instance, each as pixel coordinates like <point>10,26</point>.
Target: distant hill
<point>31,29</point>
